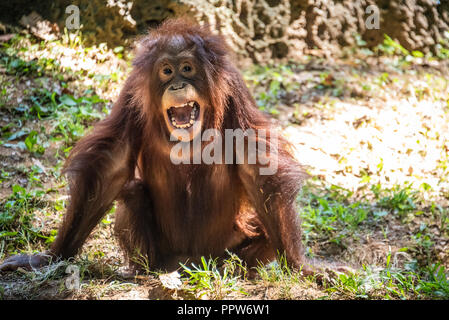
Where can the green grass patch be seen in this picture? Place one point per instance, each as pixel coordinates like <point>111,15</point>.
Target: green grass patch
<point>398,199</point>
<point>17,212</point>
<point>214,280</point>
<point>330,214</point>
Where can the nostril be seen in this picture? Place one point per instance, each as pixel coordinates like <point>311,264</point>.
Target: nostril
<point>177,86</point>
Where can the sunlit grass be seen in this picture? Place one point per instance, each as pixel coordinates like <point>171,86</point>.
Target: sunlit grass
<point>51,93</point>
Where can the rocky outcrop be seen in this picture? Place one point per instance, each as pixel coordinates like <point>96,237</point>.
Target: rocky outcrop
<point>259,29</point>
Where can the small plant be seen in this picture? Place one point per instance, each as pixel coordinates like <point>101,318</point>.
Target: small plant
<point>17,66</point>
<point>397,199</point>
<point>442,47</point>
<point>390,47</point>
<point>277,81</point>
<point>141,260</point>
<point>33,143</point>
<point>324,215</point>
<point>435,282</point>
<point>383,79</point>
<point>348,284</point>
<point>73,39</point>
<point>16,217</point>
<point>277,271</point>
<point>208,279</point>
<point>33,176</point>
<point>70,128</point>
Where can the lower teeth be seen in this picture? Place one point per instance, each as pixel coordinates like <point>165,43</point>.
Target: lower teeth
<point>183,126</point>
<point>187,125</point>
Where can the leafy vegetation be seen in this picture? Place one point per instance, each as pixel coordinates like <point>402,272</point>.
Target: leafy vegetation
<point>16,217</point>
<point>372,126</point>
<point>210,279</point>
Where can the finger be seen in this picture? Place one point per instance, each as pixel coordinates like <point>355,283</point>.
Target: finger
<point>8,266</point>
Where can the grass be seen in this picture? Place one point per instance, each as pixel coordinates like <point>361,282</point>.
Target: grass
<point>392,283</point>
<point>398,200</point>
<point>332,217</point>
<point>277,80</point>
<point>393,231</point>
<point>16,220</point>
<point>213,280</point>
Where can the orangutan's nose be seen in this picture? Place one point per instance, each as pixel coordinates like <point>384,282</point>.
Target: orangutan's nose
<point>177,86</point>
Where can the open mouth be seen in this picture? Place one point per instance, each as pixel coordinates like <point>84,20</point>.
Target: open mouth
<point>185,115</point>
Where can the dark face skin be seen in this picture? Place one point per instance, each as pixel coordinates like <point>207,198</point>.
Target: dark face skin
<point>182,105</point>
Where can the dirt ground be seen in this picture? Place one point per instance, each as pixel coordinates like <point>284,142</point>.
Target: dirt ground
<point>372,131</point>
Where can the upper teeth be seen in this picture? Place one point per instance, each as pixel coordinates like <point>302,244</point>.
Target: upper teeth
<point>191,104</point>
<point>192,116</point>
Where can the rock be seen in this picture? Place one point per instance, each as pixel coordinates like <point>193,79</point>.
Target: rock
<point>259,30</point>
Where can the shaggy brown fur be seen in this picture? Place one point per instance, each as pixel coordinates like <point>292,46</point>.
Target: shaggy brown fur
<point>169,212</point>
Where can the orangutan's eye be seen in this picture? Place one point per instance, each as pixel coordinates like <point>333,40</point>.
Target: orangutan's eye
<point>187,69</point>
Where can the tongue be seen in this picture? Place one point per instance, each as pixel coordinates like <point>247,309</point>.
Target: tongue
<point>182,114</point>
